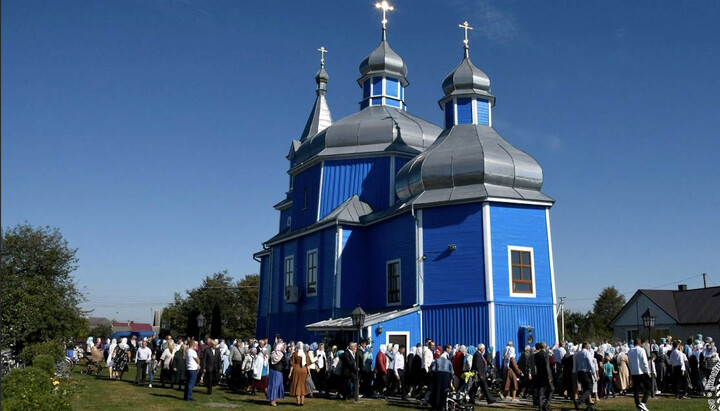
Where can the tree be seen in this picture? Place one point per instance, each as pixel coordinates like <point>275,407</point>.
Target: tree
<point>608,303</point>
<point>101,330</point>
<point>41,301</point>
<point>229,307</point>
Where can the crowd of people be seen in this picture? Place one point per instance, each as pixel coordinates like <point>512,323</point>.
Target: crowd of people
<point>582,373</point>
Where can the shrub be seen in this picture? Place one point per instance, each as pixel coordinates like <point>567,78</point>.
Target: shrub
<point>52,348</point>
<point>44,362</point>
<point>30,388</point>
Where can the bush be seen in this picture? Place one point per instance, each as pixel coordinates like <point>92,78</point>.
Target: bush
<point>52,348</point>
<point>30,388</point>
<point>44,362</point>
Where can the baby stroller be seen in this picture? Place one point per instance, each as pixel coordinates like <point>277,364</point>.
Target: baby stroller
<point>93,363</point>
<point>459,399</point>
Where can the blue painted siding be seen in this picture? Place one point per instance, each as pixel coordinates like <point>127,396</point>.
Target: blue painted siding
<point>284,214</point>
<point>456,324</point>
<point>391,87</point>
<point>399,163</point>
<point>310,180</point>
<point>377,86</point>
<point>449,114</point>
<point>525,226</point>
<point>364,104</point>
<point>409,323</point>
<point>365,253</point>
<point>460,225</point>
<point>464,111</point>
<point>309,309</point>
<point>402,94</point>
<point>366,89</point>
<point>367,177</point>
<point>510,317</point>
<point>393,103</point>
<point>376,101</point>
<point>263,296</point>
<point>483,112</point>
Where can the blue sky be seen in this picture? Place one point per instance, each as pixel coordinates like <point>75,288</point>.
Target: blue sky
<point>154,133</point>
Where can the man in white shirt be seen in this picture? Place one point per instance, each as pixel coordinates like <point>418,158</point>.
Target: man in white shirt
<point>427,359</point>
<point>192,364</point>
<point>558,354</point>
<point>398,367</point>
<point>144,354</point>
<point>640,372</point>
<point>677,362</point>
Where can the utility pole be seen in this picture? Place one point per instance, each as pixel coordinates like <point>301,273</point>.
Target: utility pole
<point>704,280</point>
<point>562,317</point>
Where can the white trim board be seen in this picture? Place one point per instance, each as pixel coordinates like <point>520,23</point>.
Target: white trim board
<point>489,290</point>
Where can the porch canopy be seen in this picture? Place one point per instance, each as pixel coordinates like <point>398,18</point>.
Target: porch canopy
<point>346,324</point>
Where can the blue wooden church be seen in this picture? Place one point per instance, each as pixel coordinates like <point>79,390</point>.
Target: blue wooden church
<point>438,233</point>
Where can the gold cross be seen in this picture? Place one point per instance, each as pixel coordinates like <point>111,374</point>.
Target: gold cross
<point>385,6</point>
<point>467,27</point>
<point>322,51</point>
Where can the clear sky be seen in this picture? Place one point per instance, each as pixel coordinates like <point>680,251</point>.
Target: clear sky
<point>154,133</point>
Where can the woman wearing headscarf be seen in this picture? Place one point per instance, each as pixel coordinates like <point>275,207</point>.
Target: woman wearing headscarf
<point>109,360</point>
<point>623,380</point>
<point>179,366</point>
<point>310,355</point>
<point>167,358</point>
<point>259,382</point>
<point>298,373</point>
<point>121,358</point>
<point>88,345</point>
<point>276,387</point>
<point>512,373</point>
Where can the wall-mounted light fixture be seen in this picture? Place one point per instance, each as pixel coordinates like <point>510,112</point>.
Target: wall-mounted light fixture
<point>378,330</point>
<point>452,247</point>
<point>424,257</point>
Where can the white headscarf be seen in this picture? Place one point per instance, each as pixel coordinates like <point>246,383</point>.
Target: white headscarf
<point>113,344</point>
<point>123,344</point>
<point>383,348</point>
<point>301,353</point>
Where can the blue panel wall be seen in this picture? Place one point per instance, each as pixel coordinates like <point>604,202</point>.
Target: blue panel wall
<point>388,240</point>
<point>393,103</point>
<point>377,86</point>
<point>399,163</point>
<point>366,89</point>
<point>309,309</point>
<point>460,225</point>
<point>310,180</point>
<point>464,111</point>
<point>449,114</point>
<point>284,214</point>
<point>456,324</point>
<point>376,101</point>
<point>354,269</point>
<point>483,112</point>
<point>391,87</point>
<point>409,323</point>
<point>263,296</point>
<point>367,177</point>
<point>510,317</point>
<point>525,226</point>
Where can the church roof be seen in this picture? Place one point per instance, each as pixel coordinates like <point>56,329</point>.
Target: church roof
<point>350,211</point>
<point>375,129</point>
<point>320,117</point>
<point>467,79</point>
<point>470,162</point>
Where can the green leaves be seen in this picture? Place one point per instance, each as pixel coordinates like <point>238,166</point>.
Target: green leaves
<point>40,298</point>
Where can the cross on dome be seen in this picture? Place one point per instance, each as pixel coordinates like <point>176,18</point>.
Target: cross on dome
<point>322,51</point>
<point>466,27</point>
<point>385,6</point>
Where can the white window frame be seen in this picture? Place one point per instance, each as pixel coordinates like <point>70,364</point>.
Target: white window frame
<point>512,248</point>
<point>307,272</point>
<point>387,288</point>
<point>291,277</point>
<point>406,334</point>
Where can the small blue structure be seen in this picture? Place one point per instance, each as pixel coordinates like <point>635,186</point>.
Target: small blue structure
<point>436,233</point>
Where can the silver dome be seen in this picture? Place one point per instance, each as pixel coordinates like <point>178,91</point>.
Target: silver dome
<point>383,61</point>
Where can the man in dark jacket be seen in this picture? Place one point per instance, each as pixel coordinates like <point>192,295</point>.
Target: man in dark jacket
<point>210,364</point>
<point>479,367</point>
<point>544,377</point>
<point>349,369</point>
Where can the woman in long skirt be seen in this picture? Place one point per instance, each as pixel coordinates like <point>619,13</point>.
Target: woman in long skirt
<point>276,388</point>
<point>299,373</point>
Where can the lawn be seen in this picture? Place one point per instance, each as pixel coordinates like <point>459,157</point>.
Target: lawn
<point>102,393</point>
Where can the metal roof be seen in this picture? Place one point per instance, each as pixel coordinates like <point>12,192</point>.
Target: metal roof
<point>320,117</point>
<point>349,211</point>
<point>345,323</point>
<point>696,306</point>
<point>371,130</point>
<point>467,78</point>
<point>383,61</point>
<point>470,162</point>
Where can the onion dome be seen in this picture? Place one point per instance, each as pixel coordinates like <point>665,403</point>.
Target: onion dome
<point>469,161</point>
<point>383,61</point>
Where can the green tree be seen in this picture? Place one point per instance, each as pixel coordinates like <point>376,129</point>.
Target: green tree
<point>41,301</point>
<point>608,303</point>
<point>230,305</point>
<point>101,330</point>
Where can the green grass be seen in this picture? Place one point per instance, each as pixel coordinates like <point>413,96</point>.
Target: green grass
<point>102,393</point>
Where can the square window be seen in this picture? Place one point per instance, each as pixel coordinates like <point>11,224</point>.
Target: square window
<point>522,279</point>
